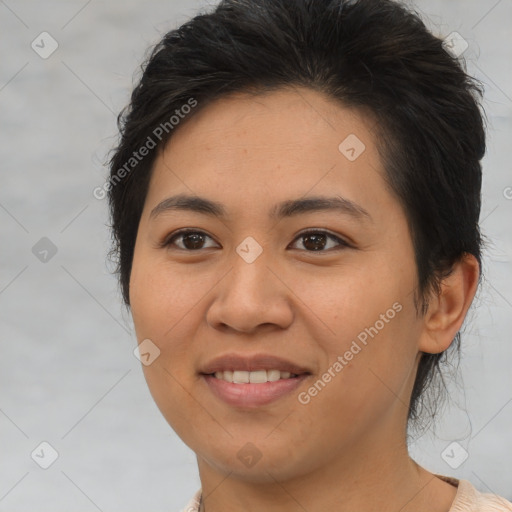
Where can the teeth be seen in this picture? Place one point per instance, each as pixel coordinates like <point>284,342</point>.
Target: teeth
<point>241,377</point>
<point>273,375</point>
<point>256,377</point>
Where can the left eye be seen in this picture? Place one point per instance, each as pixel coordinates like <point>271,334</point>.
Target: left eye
<point>313,241</point>
<point>192,239</point>
<point>317,240</point>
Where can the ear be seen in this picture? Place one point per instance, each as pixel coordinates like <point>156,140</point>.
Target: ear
<point>446,311</point>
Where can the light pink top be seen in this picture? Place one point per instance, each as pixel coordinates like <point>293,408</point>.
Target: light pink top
<point>467,499</point>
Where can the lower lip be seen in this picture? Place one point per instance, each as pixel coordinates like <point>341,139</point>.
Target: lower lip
<point>252,395</point>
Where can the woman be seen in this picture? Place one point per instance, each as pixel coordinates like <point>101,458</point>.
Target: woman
<point>295,203</point>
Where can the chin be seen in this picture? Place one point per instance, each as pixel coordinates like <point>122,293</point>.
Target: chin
<point>249,464</point>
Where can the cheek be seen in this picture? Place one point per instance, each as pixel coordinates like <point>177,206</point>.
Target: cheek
<point>371,353</point>
<point>161,298</point>
<point>376,368</point>
<point>161,304</point>
<point>357,302</point>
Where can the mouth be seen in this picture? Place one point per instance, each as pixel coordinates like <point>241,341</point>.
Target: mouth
<point>252,381</point>
<point>254,377</point>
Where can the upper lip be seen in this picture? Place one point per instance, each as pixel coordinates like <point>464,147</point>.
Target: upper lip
<point>253,362</point>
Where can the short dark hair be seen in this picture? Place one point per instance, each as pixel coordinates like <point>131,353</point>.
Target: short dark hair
<point>374,55</point>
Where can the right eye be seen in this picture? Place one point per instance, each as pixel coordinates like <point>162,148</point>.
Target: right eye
<point>190,240</point>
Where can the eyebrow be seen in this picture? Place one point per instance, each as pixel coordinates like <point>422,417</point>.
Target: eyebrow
<point>287,208</point>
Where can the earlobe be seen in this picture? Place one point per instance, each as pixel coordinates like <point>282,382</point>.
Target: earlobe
<point>446,311</point>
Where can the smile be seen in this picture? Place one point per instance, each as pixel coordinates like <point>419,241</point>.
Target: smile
<point>247,394</point>
<point>255,377</point>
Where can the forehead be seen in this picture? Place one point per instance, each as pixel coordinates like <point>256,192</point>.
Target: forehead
<point>278,121</point>
<point>273,146</point>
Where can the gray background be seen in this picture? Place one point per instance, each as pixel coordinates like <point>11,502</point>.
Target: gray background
<point>68,375</point>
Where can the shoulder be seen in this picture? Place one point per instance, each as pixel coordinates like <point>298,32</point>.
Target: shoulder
<point>470,499</point>
<point>193,504</point>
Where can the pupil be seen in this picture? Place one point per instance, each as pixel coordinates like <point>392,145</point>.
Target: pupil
<point>197,240</point>
<point>315,239</point>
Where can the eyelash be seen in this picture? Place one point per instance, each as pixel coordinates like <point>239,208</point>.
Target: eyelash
<point>169,241</point>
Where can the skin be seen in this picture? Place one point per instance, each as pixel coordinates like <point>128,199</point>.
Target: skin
<point>346,449</point>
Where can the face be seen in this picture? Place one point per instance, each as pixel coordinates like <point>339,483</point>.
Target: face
<point>269,279</point>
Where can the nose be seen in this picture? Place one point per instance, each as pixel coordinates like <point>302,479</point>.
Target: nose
<point>251,297</point>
